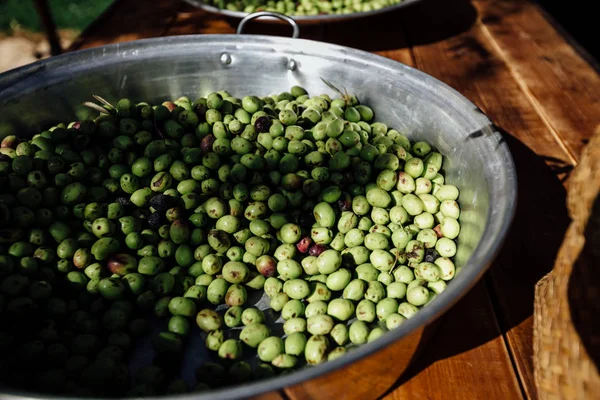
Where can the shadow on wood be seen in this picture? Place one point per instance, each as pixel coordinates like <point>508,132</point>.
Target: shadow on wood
<point>540,223</point>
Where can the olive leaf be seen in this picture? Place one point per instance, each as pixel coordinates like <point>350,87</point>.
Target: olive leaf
<point>96,107</point>
<point>105,108</point>
<point>347,97</point>
<point>332,86</point>
<point>101,100</point>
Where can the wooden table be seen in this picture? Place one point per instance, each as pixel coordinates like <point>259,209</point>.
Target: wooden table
<point>508,58</point>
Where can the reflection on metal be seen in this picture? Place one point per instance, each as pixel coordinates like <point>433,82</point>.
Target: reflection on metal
<point>269,14</point>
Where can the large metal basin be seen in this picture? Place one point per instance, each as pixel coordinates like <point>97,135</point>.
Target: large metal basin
<point>478,161</point>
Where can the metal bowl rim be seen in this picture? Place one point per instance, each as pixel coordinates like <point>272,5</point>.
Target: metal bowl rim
<point>492,241</point>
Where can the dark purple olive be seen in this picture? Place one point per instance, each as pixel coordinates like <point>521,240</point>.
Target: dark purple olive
<point>345,202</point>
<point>207,143</point>
<point>123,201</point>
<point>155,220</point>
<point>316,250</point>
<point>162,202</point>
<point>431,255</point>
<point>200,111</point>
<point>344,205</point>
<point>262,124</point>
<point>304,244</point>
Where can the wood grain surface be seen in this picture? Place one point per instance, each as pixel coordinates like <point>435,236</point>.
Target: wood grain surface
<point>466,353</point>
<point>540,92</point>
<point>557,81</point>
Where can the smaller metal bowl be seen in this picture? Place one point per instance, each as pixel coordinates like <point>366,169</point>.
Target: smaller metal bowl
<point>301,19</point>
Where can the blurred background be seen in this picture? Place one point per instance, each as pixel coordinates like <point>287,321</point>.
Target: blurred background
<point>22,37</point>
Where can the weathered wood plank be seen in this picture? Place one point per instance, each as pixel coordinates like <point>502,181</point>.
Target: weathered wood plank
<point>559,83</point>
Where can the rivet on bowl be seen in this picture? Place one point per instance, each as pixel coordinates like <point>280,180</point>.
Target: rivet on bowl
<point>225,59</point>
<point>292,65</point>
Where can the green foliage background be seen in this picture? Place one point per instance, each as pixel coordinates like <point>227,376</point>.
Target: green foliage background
<point>68,14</point>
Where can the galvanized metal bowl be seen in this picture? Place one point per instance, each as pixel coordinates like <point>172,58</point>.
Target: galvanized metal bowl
<point>477,159</point>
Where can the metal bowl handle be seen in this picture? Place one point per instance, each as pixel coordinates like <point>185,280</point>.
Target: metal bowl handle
<point>259,14</point>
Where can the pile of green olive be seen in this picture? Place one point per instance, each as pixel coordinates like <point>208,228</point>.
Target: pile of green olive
<point>180,212</point>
